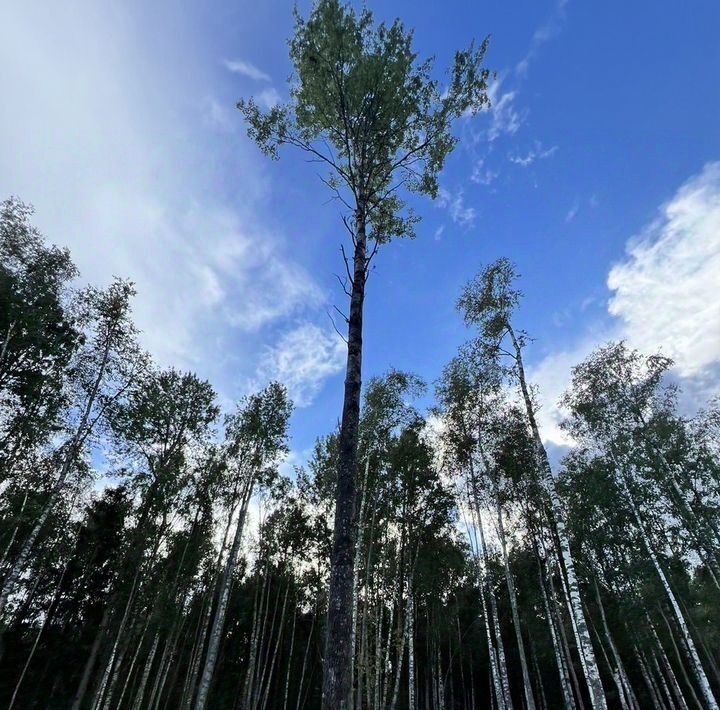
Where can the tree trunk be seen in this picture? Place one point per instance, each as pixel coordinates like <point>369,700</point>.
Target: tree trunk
<point>698,669</point>
<point>290,657</point>
<point>90,663</point>
<point>338,660</point>
<point>585,647</point>
<point>360,525</point>
<point>624,679</point>
<point>681,662</point>
<point>223,596</point>
<point>46,621</point>
<point>72,449</point>
<point>565,682</point>
<point>411,652</point>
<point>529,700</point>
<point>137,703</point>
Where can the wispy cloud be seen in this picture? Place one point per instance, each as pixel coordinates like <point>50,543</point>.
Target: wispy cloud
<point>246,69</point>
<point>113,176</point>
<point>217,116</point>
<point>537,152</point>
<point>303,359</point>
<point>268,98</point>
<point>572,213</point>
<point>483,175</point>
<point>505,117</point>
<point>550,29</point>
<point>460,213</point>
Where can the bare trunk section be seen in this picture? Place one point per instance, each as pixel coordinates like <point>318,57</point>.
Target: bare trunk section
<point>529,700</point>
<point>584,642</point>
<point>140,694</point>
<point>627,688</point>
<point>338,660</point>
<point>220,611</point>
<point>92,659</point>
<point>697,666</point>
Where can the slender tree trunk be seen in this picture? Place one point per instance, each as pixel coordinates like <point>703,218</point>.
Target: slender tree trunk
<point>137,704</point>
<point>680,660</point>
<point>359,530</point>
<point>46,621</point>
<point>92,659</point>
<point>624,679</point>
<point>8,547</point>
<point>258,613</point>
<point>100,692</point>
<point>565,682</point>
<point>338,659</point>
<point>290,658</point>
<point>529,700</point>
<point>492,651</point>
<point>220,611</point>
<point>131,669</point>
<point>560,627</point>
<point>585,647</point>
<point>275,650</point>
<point>649,682</point>
<point>72,449</point>
<point>378,652</point>
<point>265,645</point>
<point>400,659</point>
<point>698,669</point>
<point>411,652</point>
<point>303,670</point>
<point>198,651</point>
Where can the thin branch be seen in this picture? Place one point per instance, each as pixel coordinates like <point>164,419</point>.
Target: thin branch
<point>343,285</point>
<point>332,320</point>
<point>347,263</point>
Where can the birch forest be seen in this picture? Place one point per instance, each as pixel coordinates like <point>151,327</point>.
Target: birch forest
<point>432,554</point>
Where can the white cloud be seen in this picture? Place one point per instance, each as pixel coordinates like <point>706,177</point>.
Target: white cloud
<point>572,213</point>
<point>134,180</point>
<point>302,360</point>
<point>666,291</point>
<point>482,175</point>
<point>238,66</point>
<point>439,232</point>
<point>505,116</point>
<point>665,299</point>
<point>455,205</point>
<point>550,29</point>
<point>268,98</point>
<point>217,116</point>
<point>551,376</point>
<point>537,152</point>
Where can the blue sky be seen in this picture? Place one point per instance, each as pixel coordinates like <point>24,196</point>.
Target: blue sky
<point>596,172</point>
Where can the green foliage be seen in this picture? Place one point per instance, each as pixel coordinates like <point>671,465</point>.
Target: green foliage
<point>38,335</point>
<point>362,103</point>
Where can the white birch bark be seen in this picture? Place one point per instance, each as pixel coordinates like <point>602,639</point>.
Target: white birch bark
<point>584,642</point>
<point>411,653</point>
<point>220,611</point>
<point>527,686</point>
<point>694,658</point>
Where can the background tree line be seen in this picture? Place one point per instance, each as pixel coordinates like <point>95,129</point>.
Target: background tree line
<point>154,557</point>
